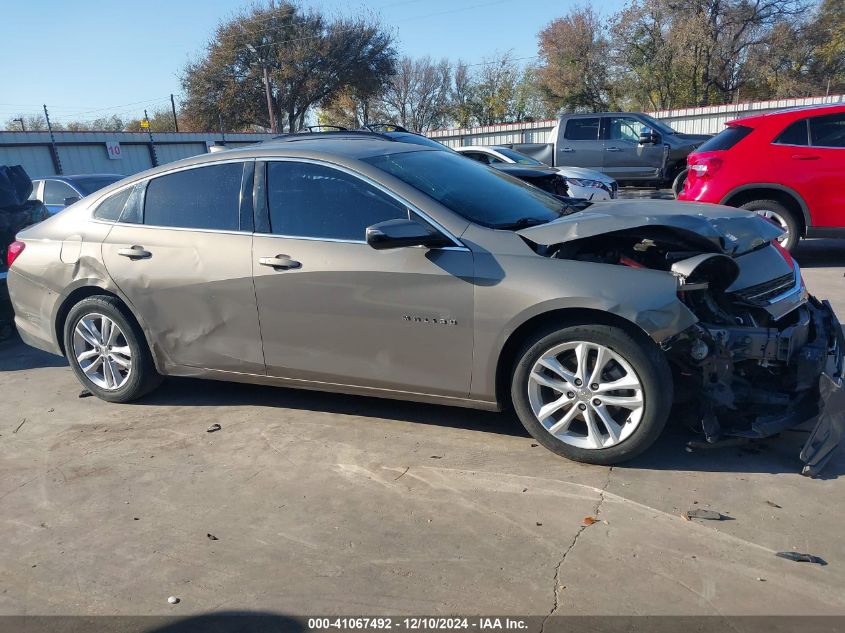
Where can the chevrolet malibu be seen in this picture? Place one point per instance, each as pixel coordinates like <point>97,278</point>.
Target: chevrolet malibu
<point>354,263</point>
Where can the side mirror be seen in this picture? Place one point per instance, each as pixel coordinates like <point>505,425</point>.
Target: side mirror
<point>399,233</point>
<point>71,199</point>
<point>649,137</point>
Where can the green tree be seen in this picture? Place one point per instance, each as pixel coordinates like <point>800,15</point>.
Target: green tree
<point>574,69</point>
<point>309,57</point>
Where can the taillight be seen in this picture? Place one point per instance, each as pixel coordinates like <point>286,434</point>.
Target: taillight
<point>15,249</point>
<point>705,166</point>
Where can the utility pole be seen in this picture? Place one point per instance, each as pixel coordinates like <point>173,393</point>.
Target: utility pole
<point>173,107</point>
<point>269,94</point>
<point>20,120</point>
<point>152,147</point>
<point>54,151</point>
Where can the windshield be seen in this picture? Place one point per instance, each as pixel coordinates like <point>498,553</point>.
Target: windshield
<point>658,125</point>
<point>520,159</point>
<point>479,193</point>
<point>89,185</point>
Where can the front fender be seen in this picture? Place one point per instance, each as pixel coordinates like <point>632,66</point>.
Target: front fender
<point>535,286</point>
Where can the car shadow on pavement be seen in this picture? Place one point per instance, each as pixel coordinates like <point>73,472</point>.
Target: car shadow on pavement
<point>772,455</point>
<point>778,454</point>
<point>194,392</point>
<point>15,356</point>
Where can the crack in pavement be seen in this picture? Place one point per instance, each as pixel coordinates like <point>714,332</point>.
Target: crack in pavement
<point>559,566</point>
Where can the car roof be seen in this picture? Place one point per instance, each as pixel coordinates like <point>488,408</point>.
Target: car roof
<point>789,114</point>
<point>72,177</point>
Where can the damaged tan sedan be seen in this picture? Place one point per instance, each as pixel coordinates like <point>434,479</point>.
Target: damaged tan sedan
<point>351,262</point>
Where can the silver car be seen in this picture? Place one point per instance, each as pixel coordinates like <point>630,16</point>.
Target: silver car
<point>355,263</point>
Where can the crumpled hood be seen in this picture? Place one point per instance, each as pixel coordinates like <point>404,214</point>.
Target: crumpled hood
<point>730,231</point>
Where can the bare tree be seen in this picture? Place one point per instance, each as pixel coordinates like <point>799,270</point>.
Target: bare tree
<point>417,97</point>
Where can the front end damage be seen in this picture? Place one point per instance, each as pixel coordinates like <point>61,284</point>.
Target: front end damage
<point>764,355</point>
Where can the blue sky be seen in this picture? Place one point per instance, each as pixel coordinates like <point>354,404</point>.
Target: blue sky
<point>87,58</point>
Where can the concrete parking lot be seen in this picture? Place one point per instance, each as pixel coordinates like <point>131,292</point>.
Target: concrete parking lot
<point>309,503</point>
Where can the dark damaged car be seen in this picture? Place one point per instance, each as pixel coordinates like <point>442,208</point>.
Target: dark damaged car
<point>362,265</point>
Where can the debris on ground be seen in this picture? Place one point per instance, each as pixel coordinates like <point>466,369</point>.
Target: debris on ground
<point>798,557</point>
<point>436,457</point>
<point>211,537</point>
<point>19,426</point>
<point>534,445</point>
<point>589,520</point>
<point>403,473</point>
<point>85,394</point>
<point>773,504</point>
<point>173,600</point>
<point>702,513</point>
<point>214,427</point>
<point>539,524</point>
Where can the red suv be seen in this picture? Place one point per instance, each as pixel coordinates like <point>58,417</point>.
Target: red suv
<point>788,166</point>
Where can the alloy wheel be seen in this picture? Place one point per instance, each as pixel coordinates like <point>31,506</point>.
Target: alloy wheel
<point>586,395</point>
<point>102,352</point>
<point>778,220</point>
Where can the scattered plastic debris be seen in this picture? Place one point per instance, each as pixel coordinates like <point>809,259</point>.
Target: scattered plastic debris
<point>20,425</point>
<point>702,513</point>
<point>211,537</point>
<point>534,445</point>
<point>539,524</point>
<point>773,504</point>
<point>407,468</point>
<point>798,557</point>
<point>436,457</point>
<point>173,600</point>
<point>85,394</point>
<point>214,427</point>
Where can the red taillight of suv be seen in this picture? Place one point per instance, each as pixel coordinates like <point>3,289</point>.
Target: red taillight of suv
<point>704,166</point>
<point>15,249</point>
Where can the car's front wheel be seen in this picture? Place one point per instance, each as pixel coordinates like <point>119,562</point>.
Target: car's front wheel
<point>592,393</point>
<point>107,351</point>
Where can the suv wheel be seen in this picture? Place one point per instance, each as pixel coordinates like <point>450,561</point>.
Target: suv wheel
<point>777,213</point>
<point>108,352</point>
<point>592,393</point>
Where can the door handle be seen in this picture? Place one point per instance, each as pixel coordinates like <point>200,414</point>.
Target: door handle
<point>567,149</point>
<point>134,252</point>
<point>805,157</point>
<point>612,149</point>
<point>279,261</point>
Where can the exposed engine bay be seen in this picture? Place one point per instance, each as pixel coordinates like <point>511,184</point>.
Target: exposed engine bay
<point>764,356</point>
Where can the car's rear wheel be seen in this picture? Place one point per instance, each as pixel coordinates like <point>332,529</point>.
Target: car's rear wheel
<point>592,393</point>
<point>779,215</point>
<point>678,183</point>
<point>107,351</point>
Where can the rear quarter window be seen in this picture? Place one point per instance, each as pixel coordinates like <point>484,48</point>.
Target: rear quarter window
<point>795,134</point>
<point>725,139</point>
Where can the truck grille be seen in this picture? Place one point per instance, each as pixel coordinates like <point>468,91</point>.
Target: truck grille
<point>768,290</point>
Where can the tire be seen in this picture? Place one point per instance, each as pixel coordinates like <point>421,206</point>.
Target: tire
<point>627,359</point>
<point>778,213</point>
<point>678,183</point>
<point>84,328</point>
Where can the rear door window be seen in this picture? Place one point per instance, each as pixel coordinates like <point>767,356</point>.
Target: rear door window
<point>582,129</point>
<point>319,202</point>
<point>828,131</point>
<point>200,198</point>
